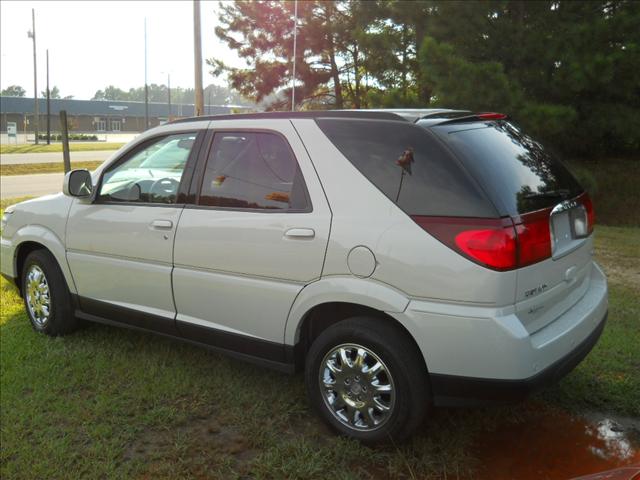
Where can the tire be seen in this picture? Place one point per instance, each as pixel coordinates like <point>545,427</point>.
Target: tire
<point>46,295</point>
<point>337,389</point>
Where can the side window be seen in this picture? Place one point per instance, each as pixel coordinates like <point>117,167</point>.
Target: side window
<point>252,170</point>
<point>151,175</point>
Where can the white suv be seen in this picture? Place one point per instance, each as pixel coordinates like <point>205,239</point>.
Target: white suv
<point>402,259</point>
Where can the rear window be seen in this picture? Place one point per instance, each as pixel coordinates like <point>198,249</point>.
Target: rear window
<point>515,170</point>
<point>409,166</point>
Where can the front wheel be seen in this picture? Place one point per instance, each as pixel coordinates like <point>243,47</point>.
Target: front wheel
<point>46,296</point>
<point>367,379</point>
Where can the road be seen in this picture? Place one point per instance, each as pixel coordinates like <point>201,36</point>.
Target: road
<point>53,157</point>
<point>12,186</point>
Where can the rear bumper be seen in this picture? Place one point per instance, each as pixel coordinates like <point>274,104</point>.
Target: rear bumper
<point>478,354</point>
<point>451,390</point>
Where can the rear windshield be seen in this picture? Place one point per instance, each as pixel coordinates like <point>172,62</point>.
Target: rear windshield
<point>518,174</point>
<point>410,166</point>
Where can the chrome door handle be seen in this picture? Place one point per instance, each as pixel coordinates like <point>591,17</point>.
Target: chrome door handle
<point>300,233</point>
<point>162,224</point>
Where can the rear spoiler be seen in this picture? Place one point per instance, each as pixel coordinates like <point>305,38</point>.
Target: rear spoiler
<point>474,116</point>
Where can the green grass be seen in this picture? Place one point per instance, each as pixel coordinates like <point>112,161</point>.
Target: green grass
<point>112,403</point>
<point>31,168</point>
<point>57,147</point>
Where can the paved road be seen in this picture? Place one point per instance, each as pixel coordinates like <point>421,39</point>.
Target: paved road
<point>12,186</point>
<point>53,157</point>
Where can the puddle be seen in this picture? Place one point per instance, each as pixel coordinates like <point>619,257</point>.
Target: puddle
<point>558,447</point>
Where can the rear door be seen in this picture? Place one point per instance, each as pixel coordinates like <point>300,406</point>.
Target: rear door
<point>254,236</point>
<point>522,179</point>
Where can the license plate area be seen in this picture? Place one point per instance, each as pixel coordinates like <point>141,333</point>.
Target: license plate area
<point>568,224</point>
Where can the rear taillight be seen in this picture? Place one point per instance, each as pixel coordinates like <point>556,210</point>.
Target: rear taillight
<point>502,243</point>
<point>591,214</point>
<point>534,237</point>
<point>499,244</point>
<point>488,242</point>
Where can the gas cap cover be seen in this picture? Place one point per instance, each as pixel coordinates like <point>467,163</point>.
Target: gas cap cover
<point>361,261</point>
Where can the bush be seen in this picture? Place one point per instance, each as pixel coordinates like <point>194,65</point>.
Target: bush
<point>76,137</point>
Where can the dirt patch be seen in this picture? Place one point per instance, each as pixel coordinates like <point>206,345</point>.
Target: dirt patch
<point>620,269</point>
<point>206,446</point>
<point>558,446</point>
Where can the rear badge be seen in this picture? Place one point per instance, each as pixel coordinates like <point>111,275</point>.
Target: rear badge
<point>535,291</point>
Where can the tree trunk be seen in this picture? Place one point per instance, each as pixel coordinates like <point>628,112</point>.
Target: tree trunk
<point>335,74</point>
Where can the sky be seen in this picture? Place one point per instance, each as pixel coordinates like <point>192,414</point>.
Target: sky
<point>93,44</point>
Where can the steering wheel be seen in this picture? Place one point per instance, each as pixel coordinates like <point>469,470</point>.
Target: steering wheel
<point>164,187</point>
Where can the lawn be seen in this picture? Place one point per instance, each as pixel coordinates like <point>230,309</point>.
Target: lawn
<point>29,168</point>
<point>57,147</point>
<point>111,403</point>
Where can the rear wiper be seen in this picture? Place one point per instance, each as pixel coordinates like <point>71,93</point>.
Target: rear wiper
<point>563,193</point>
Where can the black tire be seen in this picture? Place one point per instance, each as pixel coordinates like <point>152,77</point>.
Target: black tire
<point>401,358</point>
<point>60,319</point>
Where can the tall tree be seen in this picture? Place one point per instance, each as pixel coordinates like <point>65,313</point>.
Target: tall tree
<point>53,93</point>
<point>13,91</point>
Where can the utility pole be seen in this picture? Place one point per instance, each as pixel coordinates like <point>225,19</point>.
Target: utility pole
<point>169,95</point>
<point>197,40</point>
<point>295,42</point>
<point>32,35</point>
<point>146,87</point>
<point>48,104</point>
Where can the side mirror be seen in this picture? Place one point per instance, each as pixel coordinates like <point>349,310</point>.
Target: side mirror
<point>77,183</point>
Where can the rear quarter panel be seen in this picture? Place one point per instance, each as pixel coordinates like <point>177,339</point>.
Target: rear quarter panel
<point>407,257</point>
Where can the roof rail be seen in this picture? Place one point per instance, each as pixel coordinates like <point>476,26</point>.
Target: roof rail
<point>364,114</point>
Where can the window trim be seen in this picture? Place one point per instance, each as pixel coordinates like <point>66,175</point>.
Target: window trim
<point>185,180</point>
<point>195,191</point>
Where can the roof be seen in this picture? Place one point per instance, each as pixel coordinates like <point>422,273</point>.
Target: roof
<point>407,114</point>
<point>25,105</point>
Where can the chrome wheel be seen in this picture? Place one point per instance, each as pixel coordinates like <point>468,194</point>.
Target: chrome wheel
<point>357,387</point>
<point>38,296</point>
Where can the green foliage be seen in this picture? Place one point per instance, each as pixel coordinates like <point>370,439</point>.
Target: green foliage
<point>213,95</point>
<point>566,70</point>
<point>74,137</point>
<point>53,93</point>
<point>13,91</point>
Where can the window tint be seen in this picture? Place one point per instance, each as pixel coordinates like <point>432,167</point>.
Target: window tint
<point>516,171</point>
<point>252,170</point>
<point>409,166</point>
<point>151,175</point>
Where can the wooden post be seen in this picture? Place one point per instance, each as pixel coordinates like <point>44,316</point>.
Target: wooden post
<point>64,129</point>
<point>197,39</point>
<point>48,104</point>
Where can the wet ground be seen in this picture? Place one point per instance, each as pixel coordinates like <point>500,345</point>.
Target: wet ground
<point>559,446</point>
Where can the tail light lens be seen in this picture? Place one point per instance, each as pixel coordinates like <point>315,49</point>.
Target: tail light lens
<point>488,242</point>
<point>534,237</point>
<point>591,214</point>
<point>501,243</point>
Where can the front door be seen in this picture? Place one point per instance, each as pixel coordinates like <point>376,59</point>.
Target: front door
<point>255,237</point>
<point>120,247</point>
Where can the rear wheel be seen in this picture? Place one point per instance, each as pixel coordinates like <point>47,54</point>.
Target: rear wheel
<point>367,379</point>
<point>46,295</point>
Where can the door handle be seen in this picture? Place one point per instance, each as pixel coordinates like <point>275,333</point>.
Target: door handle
<point>300,233</point>
<point>162,224</point>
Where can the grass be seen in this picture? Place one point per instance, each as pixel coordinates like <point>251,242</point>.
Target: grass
<point>31,168</point>
<point>57,147</point>
<point>112,403</point>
